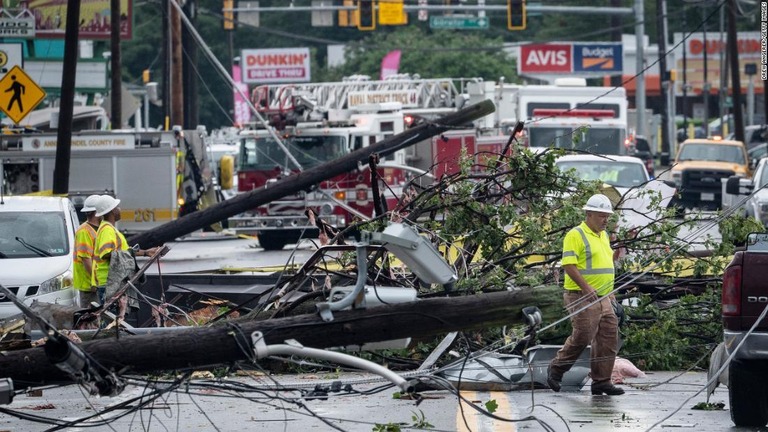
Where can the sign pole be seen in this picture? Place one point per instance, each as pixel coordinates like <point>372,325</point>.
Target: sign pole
<point>64,135</point>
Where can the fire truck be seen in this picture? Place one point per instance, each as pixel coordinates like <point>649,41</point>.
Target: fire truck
<point>157,175</point>
<point>319,123</point>
<point>567,114</point>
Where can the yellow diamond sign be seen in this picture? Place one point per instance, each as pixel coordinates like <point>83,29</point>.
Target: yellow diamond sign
<point>19,95</point>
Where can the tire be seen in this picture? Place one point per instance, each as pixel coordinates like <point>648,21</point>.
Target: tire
<point>746,393</point>
<point>276,240</point>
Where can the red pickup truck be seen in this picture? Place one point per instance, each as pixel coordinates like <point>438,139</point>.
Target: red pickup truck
<point>744,299</point>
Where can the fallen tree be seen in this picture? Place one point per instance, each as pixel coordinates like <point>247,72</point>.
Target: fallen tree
<point>230,342</point>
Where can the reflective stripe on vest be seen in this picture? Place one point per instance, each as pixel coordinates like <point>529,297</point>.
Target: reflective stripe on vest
<point>588,267</point>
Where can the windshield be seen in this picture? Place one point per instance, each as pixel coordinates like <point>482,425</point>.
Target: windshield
<point>32,234</point>
<point>593,140</point>
<point>549,137</point>
<point>711,152</point>
<point>309,151</point>
<point>621,174</point>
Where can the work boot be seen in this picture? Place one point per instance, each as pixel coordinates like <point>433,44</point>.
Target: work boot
<point>553,381</point>
<point>606,388</point>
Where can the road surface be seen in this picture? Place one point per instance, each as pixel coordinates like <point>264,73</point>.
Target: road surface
<point>647,401</point>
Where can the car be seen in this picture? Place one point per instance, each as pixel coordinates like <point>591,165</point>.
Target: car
<point>641,149</point>
<point>754,135</point>
<point>37,240</point>
<point>756,153</point>
<point>622,172</point>
<point>630,179</point>
<point>698,132</point>
<point>756,204</point>
<point>700,167</point>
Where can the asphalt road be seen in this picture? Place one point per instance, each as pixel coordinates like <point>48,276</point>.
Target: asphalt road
<point>667,396</point>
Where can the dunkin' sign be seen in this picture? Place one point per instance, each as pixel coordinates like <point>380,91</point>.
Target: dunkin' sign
<point>279,65</point>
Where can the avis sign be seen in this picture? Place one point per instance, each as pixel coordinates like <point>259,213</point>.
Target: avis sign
<point>588,59</point>
<point>280,65</point>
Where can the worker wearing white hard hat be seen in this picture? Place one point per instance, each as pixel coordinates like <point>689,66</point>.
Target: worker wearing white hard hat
<point>89,205</point>
<point>108,240</point>
<point>85,238</point>
<point>589,277</point>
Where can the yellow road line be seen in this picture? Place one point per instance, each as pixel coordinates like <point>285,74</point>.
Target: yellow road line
<point>473,421</point>
<point>468,416</point>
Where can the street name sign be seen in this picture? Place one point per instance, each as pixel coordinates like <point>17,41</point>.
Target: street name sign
<point>458,22</point>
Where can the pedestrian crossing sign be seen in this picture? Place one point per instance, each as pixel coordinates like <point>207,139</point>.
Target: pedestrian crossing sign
<point>19,95</point>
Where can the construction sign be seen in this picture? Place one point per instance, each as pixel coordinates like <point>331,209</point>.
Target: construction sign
<point>19,95</point>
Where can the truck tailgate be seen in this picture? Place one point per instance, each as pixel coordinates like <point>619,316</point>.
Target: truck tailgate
<point>754,292</point>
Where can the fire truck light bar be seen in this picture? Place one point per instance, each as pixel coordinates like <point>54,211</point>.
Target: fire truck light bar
<point>549,112</point>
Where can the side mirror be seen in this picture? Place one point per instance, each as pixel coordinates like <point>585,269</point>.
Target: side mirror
<point>734,184</point>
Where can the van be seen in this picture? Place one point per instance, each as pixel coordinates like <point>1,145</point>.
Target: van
<point>37,239</point>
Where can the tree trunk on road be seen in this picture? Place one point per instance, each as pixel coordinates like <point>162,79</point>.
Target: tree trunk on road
<point>218,345</point>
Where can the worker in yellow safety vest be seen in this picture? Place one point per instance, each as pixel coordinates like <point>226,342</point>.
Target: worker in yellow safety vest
<point>85,237</point>
<point>589,278</point>
<point>108,240</point>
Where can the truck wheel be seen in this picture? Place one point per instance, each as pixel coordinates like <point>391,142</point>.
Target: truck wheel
<point>275,240</point>
<point>746,394</point>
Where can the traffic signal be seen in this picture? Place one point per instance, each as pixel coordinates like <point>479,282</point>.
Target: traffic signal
<point>228,15</point>
<point>366,10</point>
<point>516,14</point>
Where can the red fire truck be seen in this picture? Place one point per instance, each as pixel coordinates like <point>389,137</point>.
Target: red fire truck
<point>318,123</point>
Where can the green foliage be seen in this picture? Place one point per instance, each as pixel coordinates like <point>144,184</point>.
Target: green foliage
<point>389,427</point>
<point>420,420</point>
<point>709,406</point>
<point>734,230</point>
<point>492,406</point>
<point>424,52</point>
<point>675,336</point>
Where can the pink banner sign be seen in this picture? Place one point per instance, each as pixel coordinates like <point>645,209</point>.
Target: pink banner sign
<point>241,109</point>
<point>390,64</point>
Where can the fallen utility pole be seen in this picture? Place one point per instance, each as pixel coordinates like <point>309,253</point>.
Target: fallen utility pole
<point>201,347</point>
<point>306,179</point>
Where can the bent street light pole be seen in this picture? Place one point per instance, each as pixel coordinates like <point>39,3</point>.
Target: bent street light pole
<point>306,179</point>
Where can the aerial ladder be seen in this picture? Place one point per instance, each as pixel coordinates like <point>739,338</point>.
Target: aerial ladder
<point>358,93</point>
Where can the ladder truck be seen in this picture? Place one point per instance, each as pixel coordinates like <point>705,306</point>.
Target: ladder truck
<point>320,122</point>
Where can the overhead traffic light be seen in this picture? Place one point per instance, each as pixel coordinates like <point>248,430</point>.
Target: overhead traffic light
<point>516,15</point>
<point>228,15</point>
<point>366,12</point>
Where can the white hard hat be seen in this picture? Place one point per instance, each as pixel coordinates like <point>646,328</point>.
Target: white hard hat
<point>106,204</point>
<point>599,203</point>
<point>89,204</point>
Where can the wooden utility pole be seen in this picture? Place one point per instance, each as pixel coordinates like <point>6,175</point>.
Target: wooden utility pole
<point>199,347</point>
<point>167,64</point>
<point>733,50</point>
<point>177,76</point>
<point>116,94</point>
<point>67,101</point>
<point>189,69</point>
<point>305,179</point>
<point>665,84</point>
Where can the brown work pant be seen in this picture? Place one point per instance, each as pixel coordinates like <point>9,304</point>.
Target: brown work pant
<point>597,325</point>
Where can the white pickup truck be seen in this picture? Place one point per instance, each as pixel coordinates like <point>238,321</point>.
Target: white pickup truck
<point>37,237</point>
<point>737,188</point>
